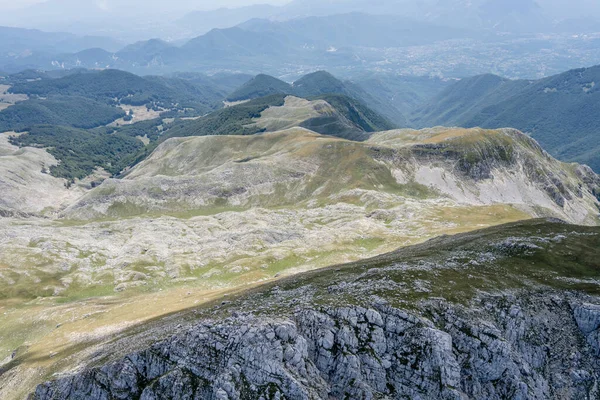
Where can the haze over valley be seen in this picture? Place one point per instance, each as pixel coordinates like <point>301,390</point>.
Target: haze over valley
<point>301,200</point>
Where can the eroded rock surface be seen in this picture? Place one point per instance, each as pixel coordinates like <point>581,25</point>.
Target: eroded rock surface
<point>523,346</point>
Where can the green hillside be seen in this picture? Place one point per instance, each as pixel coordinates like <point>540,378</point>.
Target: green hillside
<point>358,113</point>
<point>462,101</point>
<point>114,86</point>
<point>561,112</point>
<point>78,112</point>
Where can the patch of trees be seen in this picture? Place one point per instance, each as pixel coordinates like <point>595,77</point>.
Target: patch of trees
<point>79,151</point>
<point>228,121</point>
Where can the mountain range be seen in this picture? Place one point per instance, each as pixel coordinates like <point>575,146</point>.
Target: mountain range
<point>347,43</point>
<point>203,218</point>
<point>316,84</point>
<point>178,21</point>
<point>558,111</point>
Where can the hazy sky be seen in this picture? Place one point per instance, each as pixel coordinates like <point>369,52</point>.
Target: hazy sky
<point>191,4</point>
<point>11,4</point>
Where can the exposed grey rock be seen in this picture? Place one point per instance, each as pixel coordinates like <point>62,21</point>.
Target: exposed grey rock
<point>523,346</point>
<point>588,320</point>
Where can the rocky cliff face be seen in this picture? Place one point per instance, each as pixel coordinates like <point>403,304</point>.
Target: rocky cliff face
<point>535,346</point>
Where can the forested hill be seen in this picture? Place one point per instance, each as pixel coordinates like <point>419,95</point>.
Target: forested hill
<point>114,86</point>
<point>317,84</point>
<point>72,111</point>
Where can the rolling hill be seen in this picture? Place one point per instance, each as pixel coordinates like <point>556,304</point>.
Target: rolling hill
<point>469,166</point>
<point>259,86</point>
<point>560,111</point>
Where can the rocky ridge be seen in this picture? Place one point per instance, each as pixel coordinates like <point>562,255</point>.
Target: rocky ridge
<point>391,327</point>
<point>532,347</point>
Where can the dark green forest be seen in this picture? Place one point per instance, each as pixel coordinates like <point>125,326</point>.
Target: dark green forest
<point>77,112</point>
<point>118,87</point>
